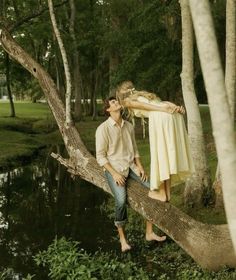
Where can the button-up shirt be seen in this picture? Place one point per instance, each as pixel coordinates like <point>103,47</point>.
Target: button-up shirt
<point>116,145</point>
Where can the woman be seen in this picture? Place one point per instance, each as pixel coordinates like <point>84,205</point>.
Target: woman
<point>171,161</point>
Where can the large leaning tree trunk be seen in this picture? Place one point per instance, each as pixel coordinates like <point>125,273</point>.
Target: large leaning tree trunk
<point>223,129</point>
<point>205,243</point>
<point>230,56</point>
<point>200,182</point>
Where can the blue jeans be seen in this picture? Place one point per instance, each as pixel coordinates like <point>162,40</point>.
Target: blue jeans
<point>120,194</point>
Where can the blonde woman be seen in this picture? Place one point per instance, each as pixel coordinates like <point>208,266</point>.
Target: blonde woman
<point>171,161</point>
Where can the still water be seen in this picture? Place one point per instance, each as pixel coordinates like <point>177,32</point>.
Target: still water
<point>40,201</point>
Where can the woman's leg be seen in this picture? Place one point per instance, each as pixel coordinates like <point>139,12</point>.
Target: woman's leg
<point>159,194</point>
<point>167,189</point>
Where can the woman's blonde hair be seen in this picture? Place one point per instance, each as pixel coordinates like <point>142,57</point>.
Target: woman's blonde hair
<point>126,89</point>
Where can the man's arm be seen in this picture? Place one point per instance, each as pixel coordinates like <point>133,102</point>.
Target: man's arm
<point>101,146</point>
<point>140,168</point>
<point>101,156</point>
<point>118,178</point>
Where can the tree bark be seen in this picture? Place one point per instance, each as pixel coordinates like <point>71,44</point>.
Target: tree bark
<point>200,182</point>
<point>205,243</point>
<point>230,55</point>
<point>223,129</point>
<point>68,119</point>
<point>77,79</point>
<point>229,80</point>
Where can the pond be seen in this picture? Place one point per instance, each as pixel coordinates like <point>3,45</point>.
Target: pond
<point>40,201</point>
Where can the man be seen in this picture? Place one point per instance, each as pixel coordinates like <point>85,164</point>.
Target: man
<point>117,153</point>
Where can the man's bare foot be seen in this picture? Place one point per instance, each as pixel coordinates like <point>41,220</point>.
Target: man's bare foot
<point>153,237</point>
<point>124,246</point>
<point>157,195</point>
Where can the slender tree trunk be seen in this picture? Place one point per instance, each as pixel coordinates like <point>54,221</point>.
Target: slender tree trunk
<point>113,65</point>
<point>230,55</point>
<point>68,119</point>
<point>200,181</point>
<point>8,82</point>
<point>77,79</point>
<point>223,129</point>
<point>229,81</point>
<point>92,87</point>
<point>205,243</point>
<point>94,116</point>
<point>113,55</point>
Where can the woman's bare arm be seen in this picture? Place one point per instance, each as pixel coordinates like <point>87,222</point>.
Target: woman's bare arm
<point>180,109</point>
<point>162,106</point>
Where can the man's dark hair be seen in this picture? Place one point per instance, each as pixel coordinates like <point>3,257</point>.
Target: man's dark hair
<point>107,105</point>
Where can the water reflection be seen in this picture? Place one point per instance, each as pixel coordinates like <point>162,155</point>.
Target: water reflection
<point>41,201</point>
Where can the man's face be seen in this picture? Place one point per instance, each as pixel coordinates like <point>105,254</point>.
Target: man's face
<point>114,106</point>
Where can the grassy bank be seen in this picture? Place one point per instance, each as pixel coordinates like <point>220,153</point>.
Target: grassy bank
<point>23,135</point>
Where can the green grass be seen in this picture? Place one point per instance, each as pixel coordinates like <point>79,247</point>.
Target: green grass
<point>22,136</point>
<point>26,110</point>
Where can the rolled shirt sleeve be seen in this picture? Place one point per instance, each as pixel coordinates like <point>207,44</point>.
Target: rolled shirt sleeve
<point>101,146</point>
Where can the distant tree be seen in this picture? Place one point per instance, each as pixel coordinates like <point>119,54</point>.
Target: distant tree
<point>7,65</point>
<point>8,84</point>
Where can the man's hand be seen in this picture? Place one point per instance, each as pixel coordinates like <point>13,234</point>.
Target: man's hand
<point>119,179</point>
<point>142,173</point>
<point>140,169</point>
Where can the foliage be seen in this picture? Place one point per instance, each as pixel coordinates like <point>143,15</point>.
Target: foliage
<point>66,261</point>
<point>144,37</point>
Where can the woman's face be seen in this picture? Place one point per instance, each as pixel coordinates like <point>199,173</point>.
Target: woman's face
<point>124,89</point>
<point>127,85</point>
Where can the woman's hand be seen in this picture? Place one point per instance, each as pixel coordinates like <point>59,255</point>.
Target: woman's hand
<point>172,108</point>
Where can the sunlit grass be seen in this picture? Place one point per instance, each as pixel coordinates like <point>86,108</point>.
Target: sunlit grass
<point>21,136</point>
<point>26,110</point>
